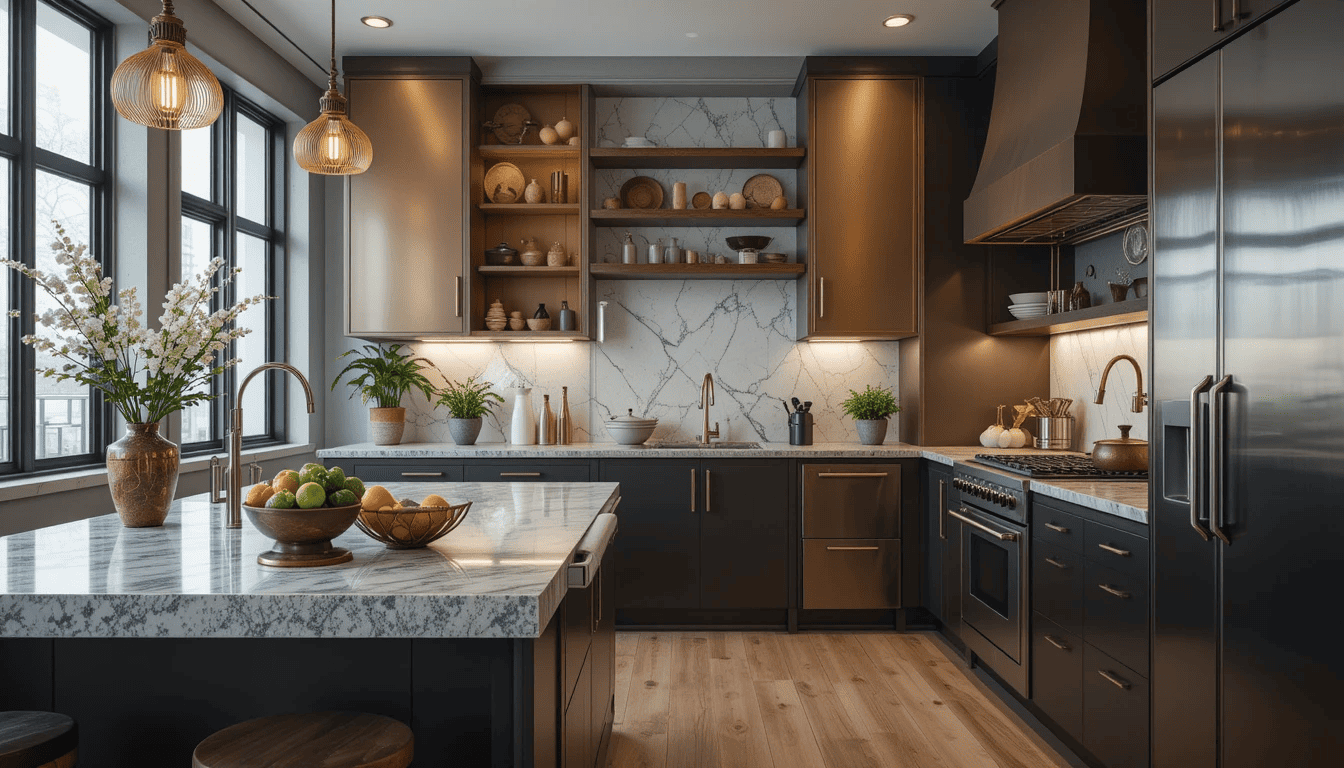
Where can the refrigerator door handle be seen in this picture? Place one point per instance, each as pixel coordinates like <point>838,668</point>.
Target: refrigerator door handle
<point>1195,478</point>
<point>1217,437</point>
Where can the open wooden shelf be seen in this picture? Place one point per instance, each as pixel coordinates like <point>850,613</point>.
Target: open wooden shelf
<point>518,271</point>
<point>511,152</point>
<point>1101,316</point>
<point>530,335</point>
<point>697,157</point>
<point>530,209</point>
<point>697,271</point>
<point>667,217</point>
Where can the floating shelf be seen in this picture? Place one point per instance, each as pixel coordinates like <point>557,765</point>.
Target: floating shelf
<point>530,335</point>
<point>667,217</point>
<point>511,271</point>
<point>697,157</point>
<point>529,209</point>
<point>1102,316</point>
<point>509,152</point>
<point>697,271</point>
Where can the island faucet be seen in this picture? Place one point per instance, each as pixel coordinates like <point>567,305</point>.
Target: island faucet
<point>706,400</point>
<point>1140,398</point>
<point>234,516</point>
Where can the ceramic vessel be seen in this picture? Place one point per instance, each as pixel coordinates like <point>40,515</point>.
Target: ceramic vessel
<point>532,255</point>
<point>777,139</point>
<point>564,129</point>
<point>549,135</point>
<point>142,470</point>
<point>556,257</point>
<point>672,253</point>
<point>679,196</point>
<point>612,203</point>
<point>629,253</point>
<point>386,425</point>
<point>546,425</point>
<point>779,203</point>
<point>517,323</point>
<point>534,193</point>
<point>541,312</point>
<point>574,141</point>
<point>523,429</point>
<point>465,431</point>
<point>656,252</point>
<point>871,431</point>
<point>720,201</point>
<point>1079,298</point>
<point>737,202</point>
<point>569,319</point>
<point>564,423</point>
<point>501,256</point>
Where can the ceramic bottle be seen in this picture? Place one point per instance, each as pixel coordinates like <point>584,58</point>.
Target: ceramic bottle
<point>569,319</point>
<point>541,313</point>
<point>629,253</point>
<point>564,425</point>
<point>546,425</point>
<point>656,252</point>
<point>564,129</point>
<point>672,253</point>
<point>534,193</point>
<point>523,430</point>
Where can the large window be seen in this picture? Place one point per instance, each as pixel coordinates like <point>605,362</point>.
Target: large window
<point>232,198</point>
<point>54,151</point>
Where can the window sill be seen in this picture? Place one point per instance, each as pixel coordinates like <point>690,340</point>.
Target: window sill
<point>28,487</point>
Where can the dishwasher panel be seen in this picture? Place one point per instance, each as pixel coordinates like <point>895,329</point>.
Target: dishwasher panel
<point>851,501</point>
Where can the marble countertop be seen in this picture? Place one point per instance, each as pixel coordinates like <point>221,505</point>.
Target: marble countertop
<point>499,574</point>
<point>1121,498</point>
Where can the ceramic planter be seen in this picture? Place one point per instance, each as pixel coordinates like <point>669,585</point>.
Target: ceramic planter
<point>465,431</point>
<point>386,425</point>
<point>142,472</point>
<point>871,431</point>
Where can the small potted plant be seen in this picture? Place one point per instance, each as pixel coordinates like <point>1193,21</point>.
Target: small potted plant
<point>467,402</point>
<point>384,376</point>
<point>870,409</point>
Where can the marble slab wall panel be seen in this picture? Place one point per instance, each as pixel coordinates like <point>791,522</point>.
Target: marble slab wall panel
<point>1076,363</point>
<point>706,240</point>
<point>607,182</point>
<point>694,122</point>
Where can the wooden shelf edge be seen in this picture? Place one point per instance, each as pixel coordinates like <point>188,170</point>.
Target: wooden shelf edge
<point>697,271</point>
<point>527,150</point>
<point>520,271</point>
<point>697,157</point>
<point>1102,316</point>
<point>530,335</point>
<point>530,209</point>
<point>668,217</point>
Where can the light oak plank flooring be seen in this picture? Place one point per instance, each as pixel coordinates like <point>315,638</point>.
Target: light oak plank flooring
<point>810,700</point>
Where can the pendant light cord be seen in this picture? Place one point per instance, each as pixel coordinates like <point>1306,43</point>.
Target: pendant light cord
<point>331,83</point>
<point>297,47</point>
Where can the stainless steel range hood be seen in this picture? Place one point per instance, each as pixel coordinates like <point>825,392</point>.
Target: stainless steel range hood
<point>1066,154</point>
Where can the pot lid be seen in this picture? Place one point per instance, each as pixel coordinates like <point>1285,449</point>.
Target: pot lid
<point>502,248</point>
<point>1124,438</point>
<point>631,420</point>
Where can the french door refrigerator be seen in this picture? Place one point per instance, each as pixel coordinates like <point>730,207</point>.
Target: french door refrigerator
<point>1247,334</point>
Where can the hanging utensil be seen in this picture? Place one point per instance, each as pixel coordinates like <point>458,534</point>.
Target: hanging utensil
<point>807,406</point>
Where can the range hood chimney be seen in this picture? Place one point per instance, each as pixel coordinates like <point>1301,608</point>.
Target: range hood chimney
<point>1066,155</point>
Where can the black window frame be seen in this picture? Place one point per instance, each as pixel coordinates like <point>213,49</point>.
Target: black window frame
<point>18,143</point>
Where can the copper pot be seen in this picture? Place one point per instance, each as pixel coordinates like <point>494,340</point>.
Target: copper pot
<point>1127,454</point>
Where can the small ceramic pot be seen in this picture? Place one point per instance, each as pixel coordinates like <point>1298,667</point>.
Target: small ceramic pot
<point>534,194</point>
<point>564,129</point>
<point>465,431</point>
<point>556,257</point>
<point>549,135</point>
<point>386,425</point>
<point>871,431</point>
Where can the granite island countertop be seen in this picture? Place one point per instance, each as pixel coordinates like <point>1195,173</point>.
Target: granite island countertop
<point>501,573</point>
<point>1126,499</point>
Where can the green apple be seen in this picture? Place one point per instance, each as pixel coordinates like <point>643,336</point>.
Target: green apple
<point>282,500</point>
<point>355,486</point>
<point>310,496</point>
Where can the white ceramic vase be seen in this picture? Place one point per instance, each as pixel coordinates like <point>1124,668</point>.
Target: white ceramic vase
<point>523,430</point>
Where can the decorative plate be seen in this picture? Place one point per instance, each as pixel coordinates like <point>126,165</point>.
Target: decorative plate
<point>642,193</point>
<point>701,201</point>
<point>761,190</point>
<point>504,183</point>
<point>510,122</point>
<point>1136,244</point>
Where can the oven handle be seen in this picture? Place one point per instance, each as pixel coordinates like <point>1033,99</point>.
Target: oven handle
<point>1001,536</point>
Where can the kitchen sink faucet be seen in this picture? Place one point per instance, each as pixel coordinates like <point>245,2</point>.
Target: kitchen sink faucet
<point>234,518</point>
<point>706,400</point>
<point>1140,398</point>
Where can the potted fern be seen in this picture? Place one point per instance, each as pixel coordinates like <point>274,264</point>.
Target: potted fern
<point>467,402</point>
<point>385,376</point>
<point>870,410</point>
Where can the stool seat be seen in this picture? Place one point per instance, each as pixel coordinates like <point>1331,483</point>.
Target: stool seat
<point>326,739</point>
<point>37,739</point>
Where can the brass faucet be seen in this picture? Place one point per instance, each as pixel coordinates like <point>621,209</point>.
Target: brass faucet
<point>706,400</point>
<point>234,518</point>
<point>1140,398</point>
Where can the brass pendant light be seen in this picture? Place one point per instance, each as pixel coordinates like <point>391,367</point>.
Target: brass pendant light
<point>332,145</point>
<point>164,86</point>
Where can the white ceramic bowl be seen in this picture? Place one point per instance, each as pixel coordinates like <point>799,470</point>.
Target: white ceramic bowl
<point>1026,306</point>
<point>1026,314</point>
<point>1028,298</point>
<point>626,433</point>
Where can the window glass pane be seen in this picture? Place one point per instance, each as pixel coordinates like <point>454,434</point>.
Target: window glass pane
<point>197,250</point>
<point>252,347</point>
<point>5,342</point>
<point>64,83</point>
<point>4,68</point>
<point>251,169</point>
<point>62,427</point>
<point>196,163</point>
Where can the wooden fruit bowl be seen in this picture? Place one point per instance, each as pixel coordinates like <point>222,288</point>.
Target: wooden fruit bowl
<point>412,527</point>
<point>303,536</point>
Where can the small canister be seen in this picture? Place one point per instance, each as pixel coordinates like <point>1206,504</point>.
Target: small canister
<point>800,428</point>
<point>1054,433</point>
<point>656,252</point>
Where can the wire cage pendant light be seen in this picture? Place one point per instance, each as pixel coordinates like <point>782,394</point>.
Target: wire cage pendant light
<point>332,145</point>
<point>164,86</point>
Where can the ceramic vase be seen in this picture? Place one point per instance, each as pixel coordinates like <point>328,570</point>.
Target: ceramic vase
<point>564,129</point>
<point>142,470</point>
<point>465,431</point>
<point>523,428</point>
<point>556,257</point>
<point>871,431</point>
<point>569,319</point>
<point>386,425</point>
<point>679,196</point>
<point>548,135</point>
<point>534,193</point>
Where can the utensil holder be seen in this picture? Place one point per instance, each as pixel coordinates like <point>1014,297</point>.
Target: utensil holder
<point>1054,433</point>
<point>800,428</point>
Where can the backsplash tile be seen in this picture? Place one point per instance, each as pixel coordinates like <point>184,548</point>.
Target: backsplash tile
<point>1076,363</point>
<point>694,122</point>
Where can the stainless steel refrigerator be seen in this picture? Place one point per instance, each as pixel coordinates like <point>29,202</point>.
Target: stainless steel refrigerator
<point>1247,334</point>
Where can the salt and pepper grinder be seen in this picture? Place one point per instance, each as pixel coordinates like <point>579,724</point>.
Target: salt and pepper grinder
<point>564,424</point>
<point>546,425</point>
<point>629,253</point>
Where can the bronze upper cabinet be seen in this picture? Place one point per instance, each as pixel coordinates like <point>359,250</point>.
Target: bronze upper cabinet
<point>407,231</point>
<point>862,234</point>
<point>1182,30</point>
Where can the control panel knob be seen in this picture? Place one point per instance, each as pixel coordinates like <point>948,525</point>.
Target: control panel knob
<point>1012,502</point>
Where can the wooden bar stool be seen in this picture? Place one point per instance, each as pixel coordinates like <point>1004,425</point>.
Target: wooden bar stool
<point>37,740</point>
<point>327,739</point>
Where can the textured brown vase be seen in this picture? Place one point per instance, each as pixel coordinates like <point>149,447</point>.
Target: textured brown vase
<point>142,475</point>
<point>386,425</point>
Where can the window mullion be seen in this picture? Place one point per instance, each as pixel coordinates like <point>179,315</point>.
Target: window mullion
<point>24,105</point>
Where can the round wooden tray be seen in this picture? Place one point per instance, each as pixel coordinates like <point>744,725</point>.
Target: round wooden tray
<point>643,193</point>
<point>505,183</point>
<point>701,201</point>
<point>761,190</point>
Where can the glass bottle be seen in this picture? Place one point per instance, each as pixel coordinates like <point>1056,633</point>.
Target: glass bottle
<point>546,426</point>
<point>541,313</point>
<point>672,253</point>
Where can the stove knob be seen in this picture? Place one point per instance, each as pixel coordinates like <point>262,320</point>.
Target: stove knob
<point>1012,501</point>
<point>982,492</point>
<point>998,497</point>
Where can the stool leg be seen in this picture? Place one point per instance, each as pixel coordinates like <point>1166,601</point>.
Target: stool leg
<point>64,761</point>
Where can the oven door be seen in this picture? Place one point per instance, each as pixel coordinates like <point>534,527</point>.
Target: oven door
<point>993,580</point>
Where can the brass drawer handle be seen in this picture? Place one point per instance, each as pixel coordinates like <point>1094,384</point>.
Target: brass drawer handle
<point>1060,644</point>
<point>851,549</point>
<point>422,474</point>
<point>1114,550</point>
<point>1056,528</point>
<point>852,474</point>
<point>1112,590</point>
<point>520,474</point>
<point>1057,564</point>
<point>1118,682</point>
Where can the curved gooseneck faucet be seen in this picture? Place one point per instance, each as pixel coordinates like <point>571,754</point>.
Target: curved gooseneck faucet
<point>1140,397</point>
<point>234,516</point>
<point>706,400</point>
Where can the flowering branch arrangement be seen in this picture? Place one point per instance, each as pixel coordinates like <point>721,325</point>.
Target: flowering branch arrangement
<point>145,373</point>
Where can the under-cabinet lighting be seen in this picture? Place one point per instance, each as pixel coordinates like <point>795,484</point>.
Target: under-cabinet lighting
<point>899,20</point>
<point>377,22</point>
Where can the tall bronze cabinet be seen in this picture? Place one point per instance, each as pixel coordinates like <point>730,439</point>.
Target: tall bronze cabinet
<point>407,231</point>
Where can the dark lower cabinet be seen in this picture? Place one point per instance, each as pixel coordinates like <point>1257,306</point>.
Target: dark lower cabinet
<point>403,473</point>
<point>744,538</point>
<point>1057,586</point>
<point>577,733</point>
<point>1117,615</point>
<point>602,659</point>
<point>937,484</point>
<point>657,548</point>
<point>1057,674</point>
<point>588,670</point>
<point>1115,711</point>
<point>528,472</point>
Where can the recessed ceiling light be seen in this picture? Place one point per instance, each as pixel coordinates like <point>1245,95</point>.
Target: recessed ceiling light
<point>899,20</point>
<point>377,22</point>
<point>692,34</point>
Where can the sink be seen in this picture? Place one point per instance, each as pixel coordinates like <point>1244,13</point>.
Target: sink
<point>717,446</point>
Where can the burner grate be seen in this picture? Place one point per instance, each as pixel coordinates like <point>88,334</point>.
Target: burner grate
<point>1055,467</point>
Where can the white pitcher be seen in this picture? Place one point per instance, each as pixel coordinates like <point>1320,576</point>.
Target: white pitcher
<point>524,427</point>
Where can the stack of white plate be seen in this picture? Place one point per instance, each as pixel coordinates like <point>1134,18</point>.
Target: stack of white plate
<point>1027,305</point>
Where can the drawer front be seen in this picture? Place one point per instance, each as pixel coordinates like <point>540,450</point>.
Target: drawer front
<point>851,501</point>
<point>1118,550</point>
<point>1117,623</point>
<point>408,473</point>
<point>1057,675</point>
<point>851,573</point>
<point>1057,580</point>
<point>527,473</point>
<point>1115,711</point>
<point>1054,527</point>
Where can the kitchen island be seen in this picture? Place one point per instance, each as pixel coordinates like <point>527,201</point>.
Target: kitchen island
<point>153,638</point>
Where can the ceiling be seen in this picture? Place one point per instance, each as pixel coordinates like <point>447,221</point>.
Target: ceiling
<point>511,28</point>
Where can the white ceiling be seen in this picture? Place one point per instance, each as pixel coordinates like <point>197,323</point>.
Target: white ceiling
<point>507,28</point>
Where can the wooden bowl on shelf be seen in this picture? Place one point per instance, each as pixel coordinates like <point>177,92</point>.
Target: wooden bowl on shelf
<point>412,527</point>
<point>303,536</point>
<point>539,323</point>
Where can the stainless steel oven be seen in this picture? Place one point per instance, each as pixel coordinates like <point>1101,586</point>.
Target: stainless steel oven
<point>992,512</point>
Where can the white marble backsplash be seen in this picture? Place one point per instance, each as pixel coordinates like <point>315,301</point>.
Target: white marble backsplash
<point>1076,363</point>
<point>694,122</point>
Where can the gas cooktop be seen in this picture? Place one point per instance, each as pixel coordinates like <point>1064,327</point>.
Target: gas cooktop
<point>1045,467</point>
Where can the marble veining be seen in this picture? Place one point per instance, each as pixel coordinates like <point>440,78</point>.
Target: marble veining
<point>694,122</point>
<point>500,574</point>
<point>1076,363</point>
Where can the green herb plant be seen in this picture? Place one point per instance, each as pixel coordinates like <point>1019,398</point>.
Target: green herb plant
<point>385,375</point>
<point>870,404</point>
<point>470,399</point>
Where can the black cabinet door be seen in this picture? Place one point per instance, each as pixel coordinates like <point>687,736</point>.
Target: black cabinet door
<point>528,472</point>
<point>1057,675</point>
<point>1115,711</point>
<point>744,534</point>
<point>937,482</point>
<point>1117,615</point>
<point>432,472</point>
<point>657,548</point>
<point>1058,585</point>
<point>576,635</point>
<point>602,655</point>
<point>578,747</point>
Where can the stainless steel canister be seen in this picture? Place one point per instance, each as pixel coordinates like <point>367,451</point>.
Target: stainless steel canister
<point>1054,433</point>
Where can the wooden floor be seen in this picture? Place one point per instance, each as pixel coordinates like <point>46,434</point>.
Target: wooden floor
<point>822,700</point>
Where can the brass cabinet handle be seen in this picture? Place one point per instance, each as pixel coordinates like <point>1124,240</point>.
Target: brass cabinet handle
<point>457,297</point>
<point>851,549</point>
<point>709,489</point>
<point>520,474</point>
<point>822,293</point>
<point>1056,528</point>
<point>1057,564</point>
<point>1194,480</point>
<point>942,509</point>
<point>1114,550</point>
<point>1112,590</point>
<point>1216,437</point>
<point>1060,644</point>
<point>1237,14</point>
<point>422,474</point>
<point>692,489</point>
<point>1118,682</point>
<point>1217,16</point>
<point>1001,536</point>
<point>855,474</point>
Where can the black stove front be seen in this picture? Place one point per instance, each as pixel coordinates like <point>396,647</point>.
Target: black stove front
<point>1052,467</point>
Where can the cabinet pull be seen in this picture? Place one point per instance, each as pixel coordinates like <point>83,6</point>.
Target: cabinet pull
<point>1056,528</point>
<point>457,297</point>
<point>1217,15</point>
<point>520,474</point>
<point>1112,590</point>
<point>1060,644</point>
<point>422,474</point>
<point>851,549</point>
<point>692,489</point>
<point>597,601</point>
<point>1115,680</point>
<point>822,293</point>
<point>854,474</point>
<point>709,488</point>
<point>1057,564</point>
<point>1237,14</point>
<point>1114,550</point>
<point>942,510</point>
